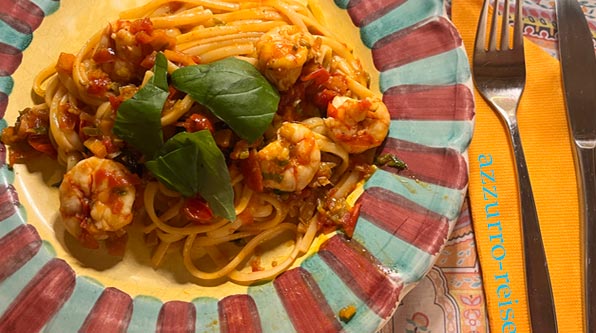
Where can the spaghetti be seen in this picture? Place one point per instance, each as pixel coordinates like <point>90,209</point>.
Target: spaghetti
<point>288,184</point>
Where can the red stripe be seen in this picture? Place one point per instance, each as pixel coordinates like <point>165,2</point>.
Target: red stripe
<point>43,296</point>
<point>349,259</point>
<point>10,58</point>
<point>239,314</point>
<point>8,199</point>
<point>3,105</point>
<point>304,302</point>
<point>176,316</point>
<point>363,12</point>
<point>17,247</point>
<point>110,314</point>
<point>17,25</point>
<point>441,166</point>
<point>404,219</point>
<point>454,102</point>
<point>26,14</point>
<point>416,42</point>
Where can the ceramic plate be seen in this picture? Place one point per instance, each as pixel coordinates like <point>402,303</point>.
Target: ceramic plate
<point>417,61</point>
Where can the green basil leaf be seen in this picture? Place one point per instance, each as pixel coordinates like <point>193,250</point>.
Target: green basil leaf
<point>234,91</point>
<point>191,163</point>
<point>138,120</point>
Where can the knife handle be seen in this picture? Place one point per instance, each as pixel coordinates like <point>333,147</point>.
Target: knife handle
<point>586,155</point>
<point>543,318</point>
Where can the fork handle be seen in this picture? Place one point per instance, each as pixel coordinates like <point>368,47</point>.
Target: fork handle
<point>540,297</point>
<point>586,156</point>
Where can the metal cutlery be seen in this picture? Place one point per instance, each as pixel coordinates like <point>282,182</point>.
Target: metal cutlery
<point>499,75</point>
<point>578,67</point>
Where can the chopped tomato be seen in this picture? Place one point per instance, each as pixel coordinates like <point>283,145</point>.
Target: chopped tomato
<point>141,25</point>
<point>104,55</point>
<point>251,170</point>
<point>67,120</point>
<point>108,142</point>
<point>197,210</point>
<point>198,122</point>
<point>115,101</point>
<point>158,39</point>
<point>99,83</point>
<point>65,63</point>
<point>42,144</point>
<point>348,223</point>
<point>149,60</point>
<point>319,76</point>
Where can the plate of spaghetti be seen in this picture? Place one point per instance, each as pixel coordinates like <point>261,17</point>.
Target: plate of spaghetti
<point>225,165</point>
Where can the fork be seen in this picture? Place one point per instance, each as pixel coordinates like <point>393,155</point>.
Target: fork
<point>500,76</point>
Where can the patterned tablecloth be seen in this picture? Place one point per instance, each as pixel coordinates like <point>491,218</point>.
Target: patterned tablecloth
<point>451,298</point>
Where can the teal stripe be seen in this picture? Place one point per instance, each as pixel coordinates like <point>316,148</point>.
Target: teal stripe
<point>47,6</point>
<point>6,84</point>
<point>403,16</point>
<point>410,262</point>
<point>439,199</point>
<point>273,316</point>
<point>343,4</point>
<point>10,36</point>
<point>339,295</point>
<point>6,176</point>
<point>12,286</point>
<point>207,315</point>
<point>144,315</point>
<point>73,313</point>
<point>447,68</point>
<point>444,134</point>
<point>13,222</point>
<point>49,248</point>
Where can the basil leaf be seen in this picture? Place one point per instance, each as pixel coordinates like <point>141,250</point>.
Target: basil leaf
<point>191,163</point>
<point>138,120</point>
<point>234,91</point>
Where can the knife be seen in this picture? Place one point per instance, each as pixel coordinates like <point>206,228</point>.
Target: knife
<point>578,67</point>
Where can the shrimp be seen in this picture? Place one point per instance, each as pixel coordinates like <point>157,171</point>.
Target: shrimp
<point>96,199</point>
<point>357,125</point>
<point>282,52</point>
<point>290,162</point>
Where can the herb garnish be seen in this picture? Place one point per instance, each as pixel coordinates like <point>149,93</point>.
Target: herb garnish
<point>234,91</point>
<point>390,160</point>
<point>138,120</point>
<point>192,163</point>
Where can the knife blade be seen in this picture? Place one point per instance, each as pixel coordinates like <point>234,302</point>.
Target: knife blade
<point>578,67</point>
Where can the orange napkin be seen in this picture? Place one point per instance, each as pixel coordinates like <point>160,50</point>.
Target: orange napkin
<point>545,137</point>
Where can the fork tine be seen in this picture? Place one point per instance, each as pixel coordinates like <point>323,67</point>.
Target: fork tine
<point>481,28</point>
<point>492,44</point>
<point>518,41</point>
<point>505,26</point>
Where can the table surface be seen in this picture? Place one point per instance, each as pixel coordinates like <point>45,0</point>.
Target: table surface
<point>451,298</point>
